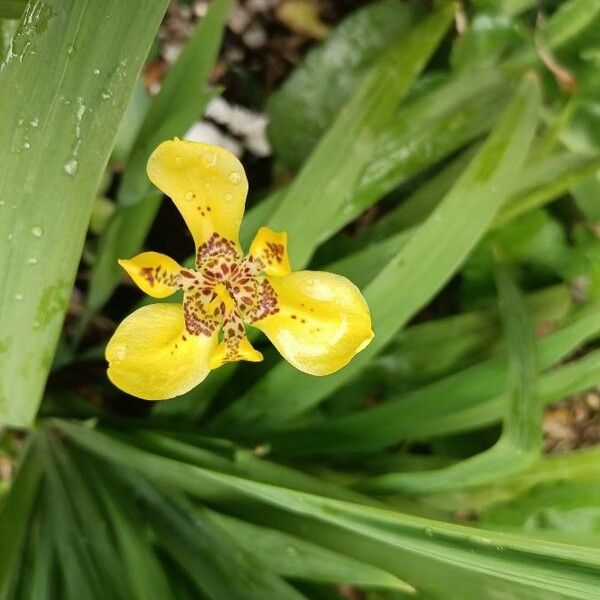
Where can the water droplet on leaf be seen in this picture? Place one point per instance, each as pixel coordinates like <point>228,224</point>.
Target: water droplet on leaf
<point>71,167</point>
<point>37,231</point>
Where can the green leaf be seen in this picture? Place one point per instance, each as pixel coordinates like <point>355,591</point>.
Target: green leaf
<point>68,93</point>
<point>308,101</point>
<point>416,272</point>
<point>520,442</point>
<point>12,9</point>
<point>432,556</point>
<point>293,557</point>
<point>320,189</point>
<point>15,516</point>
<point>212,560</point>
<point>180,102</point>
<point>571,507</point>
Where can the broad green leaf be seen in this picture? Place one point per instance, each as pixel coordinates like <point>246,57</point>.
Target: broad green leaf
<point>180,102</point>
<point>308,101</point>
<point>292,557</point>
<point>57,125</point>
<point>432,556</point>
<point>416,272</point>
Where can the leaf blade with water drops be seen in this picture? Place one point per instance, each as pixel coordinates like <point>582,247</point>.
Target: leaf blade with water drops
<point>57,127</point>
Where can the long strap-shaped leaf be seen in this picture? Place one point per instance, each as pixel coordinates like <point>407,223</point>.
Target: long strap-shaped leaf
<point>64,91</point>
<point>519,445</point>
<point>319,191</point>
<point>439,559</point>
<point>459,402</point>
<point>15,514</point>
<point>419,269</point>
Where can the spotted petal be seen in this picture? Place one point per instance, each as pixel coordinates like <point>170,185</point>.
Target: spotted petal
<point>269,251</point>
<point>235,345</point>
<point>321,321</point>
<point>152,356</point>
<point>155,274</point>
<point>207,184</point>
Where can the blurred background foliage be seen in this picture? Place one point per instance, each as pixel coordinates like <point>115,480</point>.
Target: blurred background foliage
<point>444,156</point>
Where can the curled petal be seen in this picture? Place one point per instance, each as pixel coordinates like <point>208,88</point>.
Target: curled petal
<point>152,356</point>
<point>269,251</point>
<point>232,349</point>
<point>321,320</point>
<point>207,184</point>
<point>155,274</point>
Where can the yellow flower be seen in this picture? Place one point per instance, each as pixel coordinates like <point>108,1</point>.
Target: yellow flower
<point>318,321</point>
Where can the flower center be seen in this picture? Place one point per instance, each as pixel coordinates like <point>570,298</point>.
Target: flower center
<point>226,287</point>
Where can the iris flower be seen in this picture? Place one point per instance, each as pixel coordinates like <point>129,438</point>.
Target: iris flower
<point>318,321</point>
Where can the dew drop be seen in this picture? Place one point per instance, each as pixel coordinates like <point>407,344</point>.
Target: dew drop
<point>34,122</point>
<point>9,237</point>
<point>37,231</point>
<point>120,354</point>
<point>228,198</point>
<point>32,261</point>
<point>189,196</point>
<point>210,158</point>
<point>18,296</point>
<point>96,71</point>
<point>26,146</point>
<point>71,50</point>
<point>235,178</point>
<point>71,167</point>
<point>105,96</point>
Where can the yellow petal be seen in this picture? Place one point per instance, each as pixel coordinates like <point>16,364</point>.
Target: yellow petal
<point>235,345</point>
<point>227,351</point>
<point>207,184</point>
<point>269,249</point>
<point>322,321</point>
<point>155,274</point>
<point>152,356</point>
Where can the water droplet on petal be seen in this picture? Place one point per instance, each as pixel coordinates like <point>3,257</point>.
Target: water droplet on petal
<point>120,354</point>
<point>210,158</point>
<point>71,167</point>
<point>228,198</point>
<point>235,178</point>
<point>37,231</point>
<point>189,196</point>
